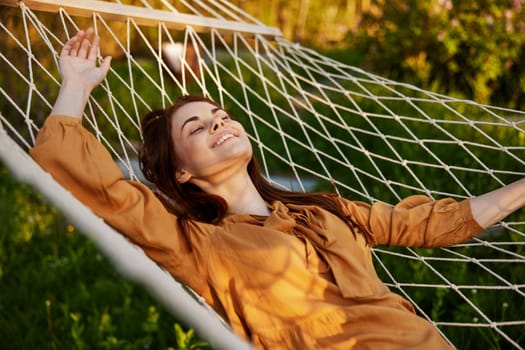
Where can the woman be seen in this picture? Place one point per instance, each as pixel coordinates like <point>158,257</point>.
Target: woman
<point>286,270</point>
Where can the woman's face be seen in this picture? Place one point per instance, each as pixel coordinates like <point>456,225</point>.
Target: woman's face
<point>208,142</point>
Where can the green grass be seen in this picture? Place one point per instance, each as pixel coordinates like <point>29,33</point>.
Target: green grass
<point>58,292</point>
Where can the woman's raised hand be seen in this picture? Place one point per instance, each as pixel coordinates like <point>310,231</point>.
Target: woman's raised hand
<point>80,73</point>
<point>78,60</point>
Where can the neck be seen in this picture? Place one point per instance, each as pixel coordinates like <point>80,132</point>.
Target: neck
<point>238,191</point>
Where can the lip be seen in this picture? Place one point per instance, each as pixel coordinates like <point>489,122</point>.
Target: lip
<point>217,138</point>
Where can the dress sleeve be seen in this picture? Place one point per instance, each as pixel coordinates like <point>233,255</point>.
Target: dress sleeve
<point>416,221</point>
<point>76,160</point>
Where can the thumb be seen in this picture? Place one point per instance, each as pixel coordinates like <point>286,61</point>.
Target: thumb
<point>104,66</point>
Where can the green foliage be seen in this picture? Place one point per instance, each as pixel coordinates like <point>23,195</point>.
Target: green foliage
<point>186,339</point>
<point>58,292</point>
<point>462,48</point>
<point>472,49</point>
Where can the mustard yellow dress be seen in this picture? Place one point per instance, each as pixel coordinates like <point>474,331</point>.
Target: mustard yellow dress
<point>298,279</point>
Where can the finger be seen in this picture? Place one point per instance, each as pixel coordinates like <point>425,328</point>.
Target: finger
<point>102,71</point>
<point>104,66</point>
<point>68,46</point>
<point>85,44</point>
<point>93,50</point>
<point>76,44</point>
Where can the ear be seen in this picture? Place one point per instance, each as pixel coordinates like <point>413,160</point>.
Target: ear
<point>182,176</point>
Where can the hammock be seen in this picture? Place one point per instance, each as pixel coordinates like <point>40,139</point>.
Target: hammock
<point>317,124</point>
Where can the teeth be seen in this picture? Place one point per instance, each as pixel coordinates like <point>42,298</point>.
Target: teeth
<point>222,139</point>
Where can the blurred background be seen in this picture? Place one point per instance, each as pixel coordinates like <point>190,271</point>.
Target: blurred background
<point>470,49</point>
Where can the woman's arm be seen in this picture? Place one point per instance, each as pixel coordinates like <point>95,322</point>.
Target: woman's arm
<point>79,73</point>
<point>416,221</point>
<point>493,206</point>
<point>83,166</point>
<point>419,221</point>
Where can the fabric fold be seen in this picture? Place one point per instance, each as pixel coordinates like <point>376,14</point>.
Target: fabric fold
<point>332,240</point>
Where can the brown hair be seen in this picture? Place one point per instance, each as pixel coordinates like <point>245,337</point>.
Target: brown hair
<point>158,162</point>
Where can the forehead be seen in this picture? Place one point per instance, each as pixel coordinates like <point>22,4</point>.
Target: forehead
<point>191,109</point>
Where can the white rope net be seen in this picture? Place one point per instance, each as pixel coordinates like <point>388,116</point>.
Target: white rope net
<point>316,124</point>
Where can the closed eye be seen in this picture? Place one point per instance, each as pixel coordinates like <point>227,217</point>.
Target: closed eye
<point>195,130</point>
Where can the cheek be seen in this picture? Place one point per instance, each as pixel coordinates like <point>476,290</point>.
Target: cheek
<point>189,151</point>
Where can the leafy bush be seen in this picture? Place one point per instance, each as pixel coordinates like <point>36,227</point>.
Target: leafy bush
<point>473,49</point>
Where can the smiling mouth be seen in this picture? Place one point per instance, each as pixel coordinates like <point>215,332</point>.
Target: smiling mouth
<point>222,139</point>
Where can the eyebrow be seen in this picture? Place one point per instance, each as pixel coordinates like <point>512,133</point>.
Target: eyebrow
<point>195,117</point>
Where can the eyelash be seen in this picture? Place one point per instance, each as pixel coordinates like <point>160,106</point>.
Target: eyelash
<point>199,128</point>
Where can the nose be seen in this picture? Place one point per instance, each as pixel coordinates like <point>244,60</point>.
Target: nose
<point>216,124</point>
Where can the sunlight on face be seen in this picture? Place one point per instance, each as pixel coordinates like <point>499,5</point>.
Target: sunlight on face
<point>207,141</point>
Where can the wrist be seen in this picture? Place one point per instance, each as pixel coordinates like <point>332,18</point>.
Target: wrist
<point>72,99</point>
<point>76,89</point>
